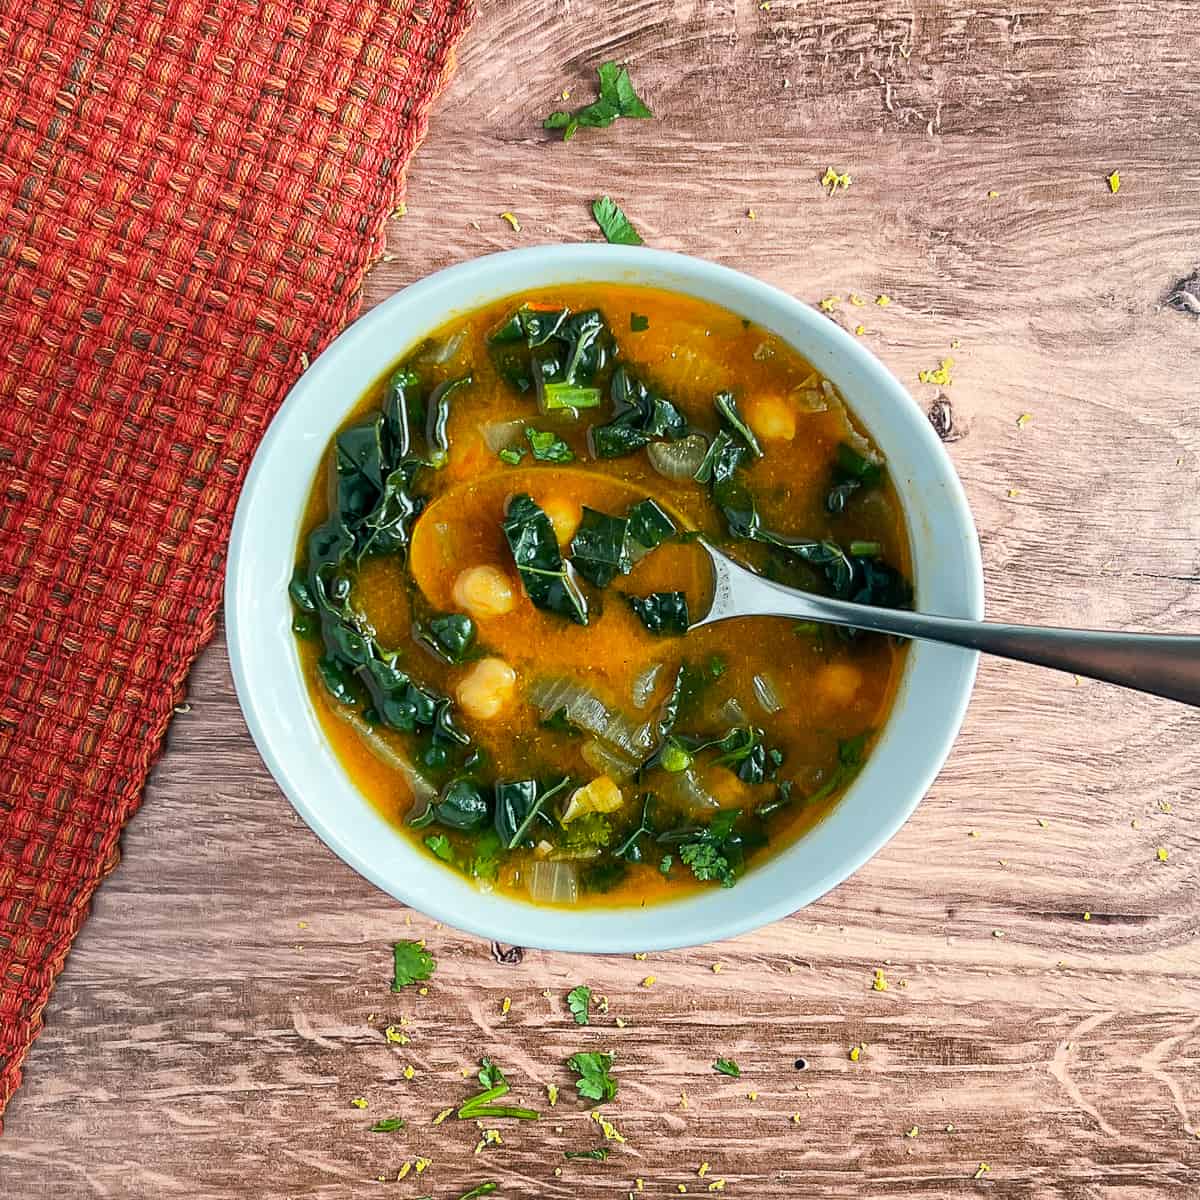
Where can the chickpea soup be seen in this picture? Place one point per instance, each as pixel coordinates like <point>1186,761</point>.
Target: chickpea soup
<point>498,572</point>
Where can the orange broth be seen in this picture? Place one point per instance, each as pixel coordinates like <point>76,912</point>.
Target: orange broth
<point>832,691</point>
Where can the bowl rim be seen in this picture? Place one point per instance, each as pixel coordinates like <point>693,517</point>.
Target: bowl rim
<point>595,929</point>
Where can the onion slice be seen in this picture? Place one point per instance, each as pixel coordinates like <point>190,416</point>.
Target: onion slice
<point>678,460</point>
<point>766,694</point>
<point>423,791</point>
<point>553,882</point>
<point>587,711</point>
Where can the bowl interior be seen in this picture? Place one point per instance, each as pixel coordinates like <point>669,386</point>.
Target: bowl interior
<point>928,709</point>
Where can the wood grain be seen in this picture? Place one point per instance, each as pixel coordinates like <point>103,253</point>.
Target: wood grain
<point>226,1001</point>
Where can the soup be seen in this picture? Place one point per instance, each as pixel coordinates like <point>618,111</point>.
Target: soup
<point>498,570</point>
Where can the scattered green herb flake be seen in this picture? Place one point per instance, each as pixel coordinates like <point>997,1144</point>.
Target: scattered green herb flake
<point>665,865</point>
<point>726,1066</point>
<point>614,224</point>
<point>716,666</point>
<point>483,1189</point>
<point>412,962</point>
<point>552,1093</point>
<point>594,1082</point>
<point>617,99</point>
<point>439,845</point>
<point>579,1001</point>
<point>359,1102</point>
<point>600,1153</point>
<point>512,455</point>
<point>638,323</point>
<point>983,1170</point>
<point>1163,854</point>
<point>1114,182</point>
<point>387,1125</point>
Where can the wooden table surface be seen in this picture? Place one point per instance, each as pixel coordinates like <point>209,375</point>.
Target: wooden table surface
<point>226,1001</point>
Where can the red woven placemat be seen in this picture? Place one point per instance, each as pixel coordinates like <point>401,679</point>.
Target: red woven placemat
<point>190,193</point>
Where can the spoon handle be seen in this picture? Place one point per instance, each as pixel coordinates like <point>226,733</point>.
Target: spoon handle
<point>1160,664</point>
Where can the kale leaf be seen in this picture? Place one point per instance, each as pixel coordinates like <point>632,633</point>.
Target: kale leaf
<point>598,550</point>
<point>549,582</point>
<point>664,613</point>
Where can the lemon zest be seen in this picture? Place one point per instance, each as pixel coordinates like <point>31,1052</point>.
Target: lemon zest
<point>939,375</point>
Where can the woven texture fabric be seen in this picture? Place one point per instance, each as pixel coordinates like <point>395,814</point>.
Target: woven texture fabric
<point>190,194</point>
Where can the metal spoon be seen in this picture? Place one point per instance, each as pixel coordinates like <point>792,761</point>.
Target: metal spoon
<point>1162,665</point>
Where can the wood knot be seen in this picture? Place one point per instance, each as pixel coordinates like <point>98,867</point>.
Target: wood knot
<point>509,956</point>
<point>941,417</point>
<point>1184,297</point>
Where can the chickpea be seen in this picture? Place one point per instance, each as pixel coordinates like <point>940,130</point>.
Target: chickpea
<point>564,515</point>
<point>839,682</point>
<point>484,592</point>
<point>771,418</point>
<point>486,689</point>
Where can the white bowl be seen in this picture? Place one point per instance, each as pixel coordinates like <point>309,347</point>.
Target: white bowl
<point>928,710</point>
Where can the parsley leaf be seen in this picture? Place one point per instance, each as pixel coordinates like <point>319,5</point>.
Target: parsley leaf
<point>594,1082</point>
<point>512,455</point>
<point>638,323</point>
<point>613,222</point>
<point>617,99</point>
<point>599,1154</point>
<point>548,447</point>
<point>490,1075</point>
<point>579,1001</point>
<point>387,1125</point>
<point>707,862</point>
<point>439,844</point>
<point>726,1066</point>
<point>412,963</point>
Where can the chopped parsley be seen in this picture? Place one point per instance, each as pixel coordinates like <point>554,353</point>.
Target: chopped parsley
<point>600,1153</point>
<point>387,1125</point>
<point>439,845</point>
<point>412,963</point>
<point>726,1066</point>
<point>579,1001</point>
<point>614,224</point>
<point>594,1082</point>
<point>638,323</point>
<point>512,455</point>
<point>617,99</point>
<point>707,863</point>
